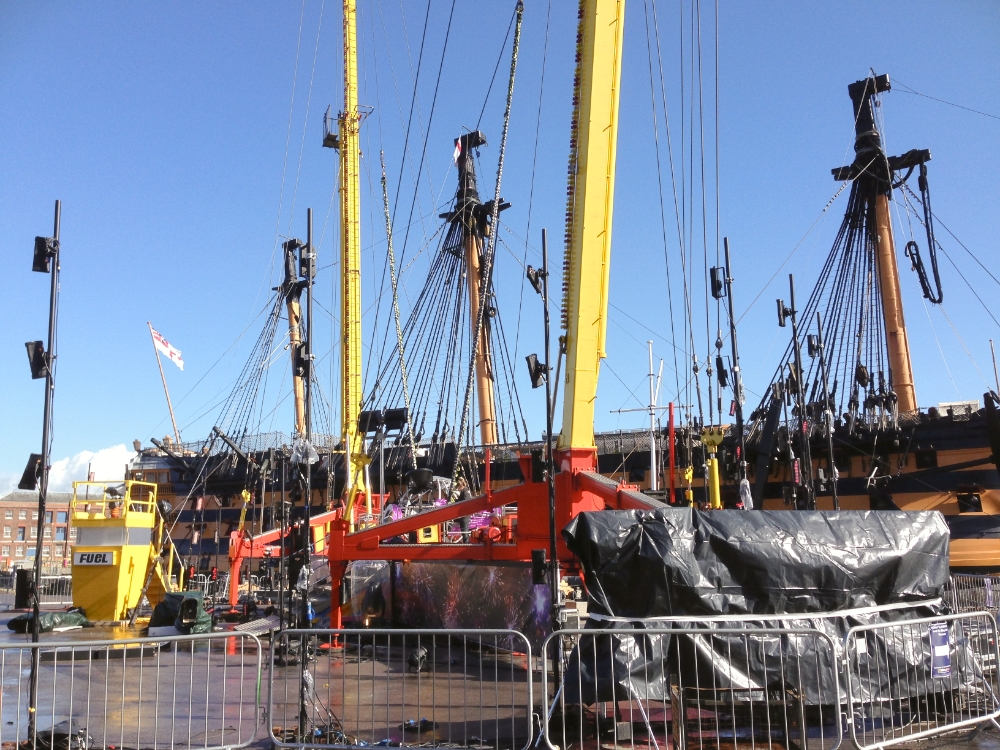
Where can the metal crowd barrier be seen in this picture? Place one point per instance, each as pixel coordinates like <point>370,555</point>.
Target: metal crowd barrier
<point>213,591</point>
<point>679,687</point>
<point>343,688</point>
<point>914,679</point>
<point>198,691</point>
<point>973,593</point>
<point>53,589</point>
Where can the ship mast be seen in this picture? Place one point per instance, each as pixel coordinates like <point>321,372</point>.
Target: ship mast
<point>349,123</point>
<point>293,291</point>
<point>870,157</point>
<point>473,214</point>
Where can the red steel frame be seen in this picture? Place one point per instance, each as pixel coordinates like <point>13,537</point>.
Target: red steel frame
<point>578,489</point>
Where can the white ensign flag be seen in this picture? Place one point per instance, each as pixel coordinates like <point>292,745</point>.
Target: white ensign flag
<point>174,355</point>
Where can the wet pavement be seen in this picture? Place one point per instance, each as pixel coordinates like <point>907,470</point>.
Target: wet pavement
<point>206,695</point>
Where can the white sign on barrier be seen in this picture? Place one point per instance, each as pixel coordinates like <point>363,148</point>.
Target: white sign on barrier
<point>940,652</point>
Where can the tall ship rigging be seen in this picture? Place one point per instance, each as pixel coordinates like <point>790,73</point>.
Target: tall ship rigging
<point>838,428</point>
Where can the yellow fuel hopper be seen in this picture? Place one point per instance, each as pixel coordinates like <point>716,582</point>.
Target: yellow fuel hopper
<point>122,547</point>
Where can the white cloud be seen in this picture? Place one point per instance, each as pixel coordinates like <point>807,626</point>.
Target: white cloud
<point>8,483</point>
<point>106,464</point>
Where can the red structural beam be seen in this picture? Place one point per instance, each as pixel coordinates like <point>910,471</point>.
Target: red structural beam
<point>242,545</point>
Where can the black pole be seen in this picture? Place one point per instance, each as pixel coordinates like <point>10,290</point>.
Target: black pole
<point>282,529</point>
<point>806,457</point>
<point>737,374</point>
<point>549,462</point>
<point>309,266</point>
<point>304,621</point>
<point>827,413</point>
<point>43,490</point>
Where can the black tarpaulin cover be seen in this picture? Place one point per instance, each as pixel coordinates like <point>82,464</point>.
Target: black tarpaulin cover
<point>681,561</point>
<point>826,571</point>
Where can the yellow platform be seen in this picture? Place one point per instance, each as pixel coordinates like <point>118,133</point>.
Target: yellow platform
<point>120,537</point>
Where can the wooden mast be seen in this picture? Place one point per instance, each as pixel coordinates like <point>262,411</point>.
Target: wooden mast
<point>871,164</point>
<point>294,309</point>
<point>484,367</point>
<point>473,214</point>
<point>897,344</point>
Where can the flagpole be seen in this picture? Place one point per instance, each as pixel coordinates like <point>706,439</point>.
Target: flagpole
<point>177,433</point>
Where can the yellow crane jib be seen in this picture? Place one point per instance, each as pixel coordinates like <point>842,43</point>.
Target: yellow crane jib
<point>590,201</point>
<point>245,494</point>
<point>348,147</point>
<point>120,534</point>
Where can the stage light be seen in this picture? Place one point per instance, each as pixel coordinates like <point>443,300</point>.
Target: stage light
<point>718,277</point>
<point>537,371</point>
<point>45,249</point>
<point>535,277</point>
<point>29,479</point>
<point>37,359</point>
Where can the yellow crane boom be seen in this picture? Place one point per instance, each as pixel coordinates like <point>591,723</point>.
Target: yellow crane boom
<point>350,258</point>
<point>590,203</point>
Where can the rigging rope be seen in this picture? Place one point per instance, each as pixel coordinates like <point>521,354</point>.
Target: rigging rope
<point>659,179</point>
<point>491,248</point>
<point>395,310</point>
<point>531,188</point>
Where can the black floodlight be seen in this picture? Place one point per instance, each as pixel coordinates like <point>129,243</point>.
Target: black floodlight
<point>783,313</point>
<point>45,248</point>
<point>370,420</point>
<point>29,479</point>
<point>812,343</point>
<point>718,277</point>
<point>395,419</point>
<point>720,368</point>
<point>535,276</point>
<point>302,364</point>
<point>37,359</point>
<point>307,262</point>
<point>538,566</point>
<point>537,371</point>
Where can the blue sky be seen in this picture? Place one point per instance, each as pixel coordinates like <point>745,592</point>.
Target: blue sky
<point>183,139</point>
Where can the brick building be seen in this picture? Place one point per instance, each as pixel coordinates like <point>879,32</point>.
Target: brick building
<point>19,530</point>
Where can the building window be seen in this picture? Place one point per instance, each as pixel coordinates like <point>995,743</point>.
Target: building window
<point>34,515</point>
<point>6,532</point>
<point>58,549</point>
<point>8,514</point>
<point>22,514</point>
<point>34,532</point>
<point>19,551</point>
<point>48,516</point>
<point>31,551</point>
<point>48,532</point>
<point>45,551</point>
<point>5,551</point>
<point>60,533</point>
<point>72,532</point>
<point>62,516</point>
<point>20,533</point>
